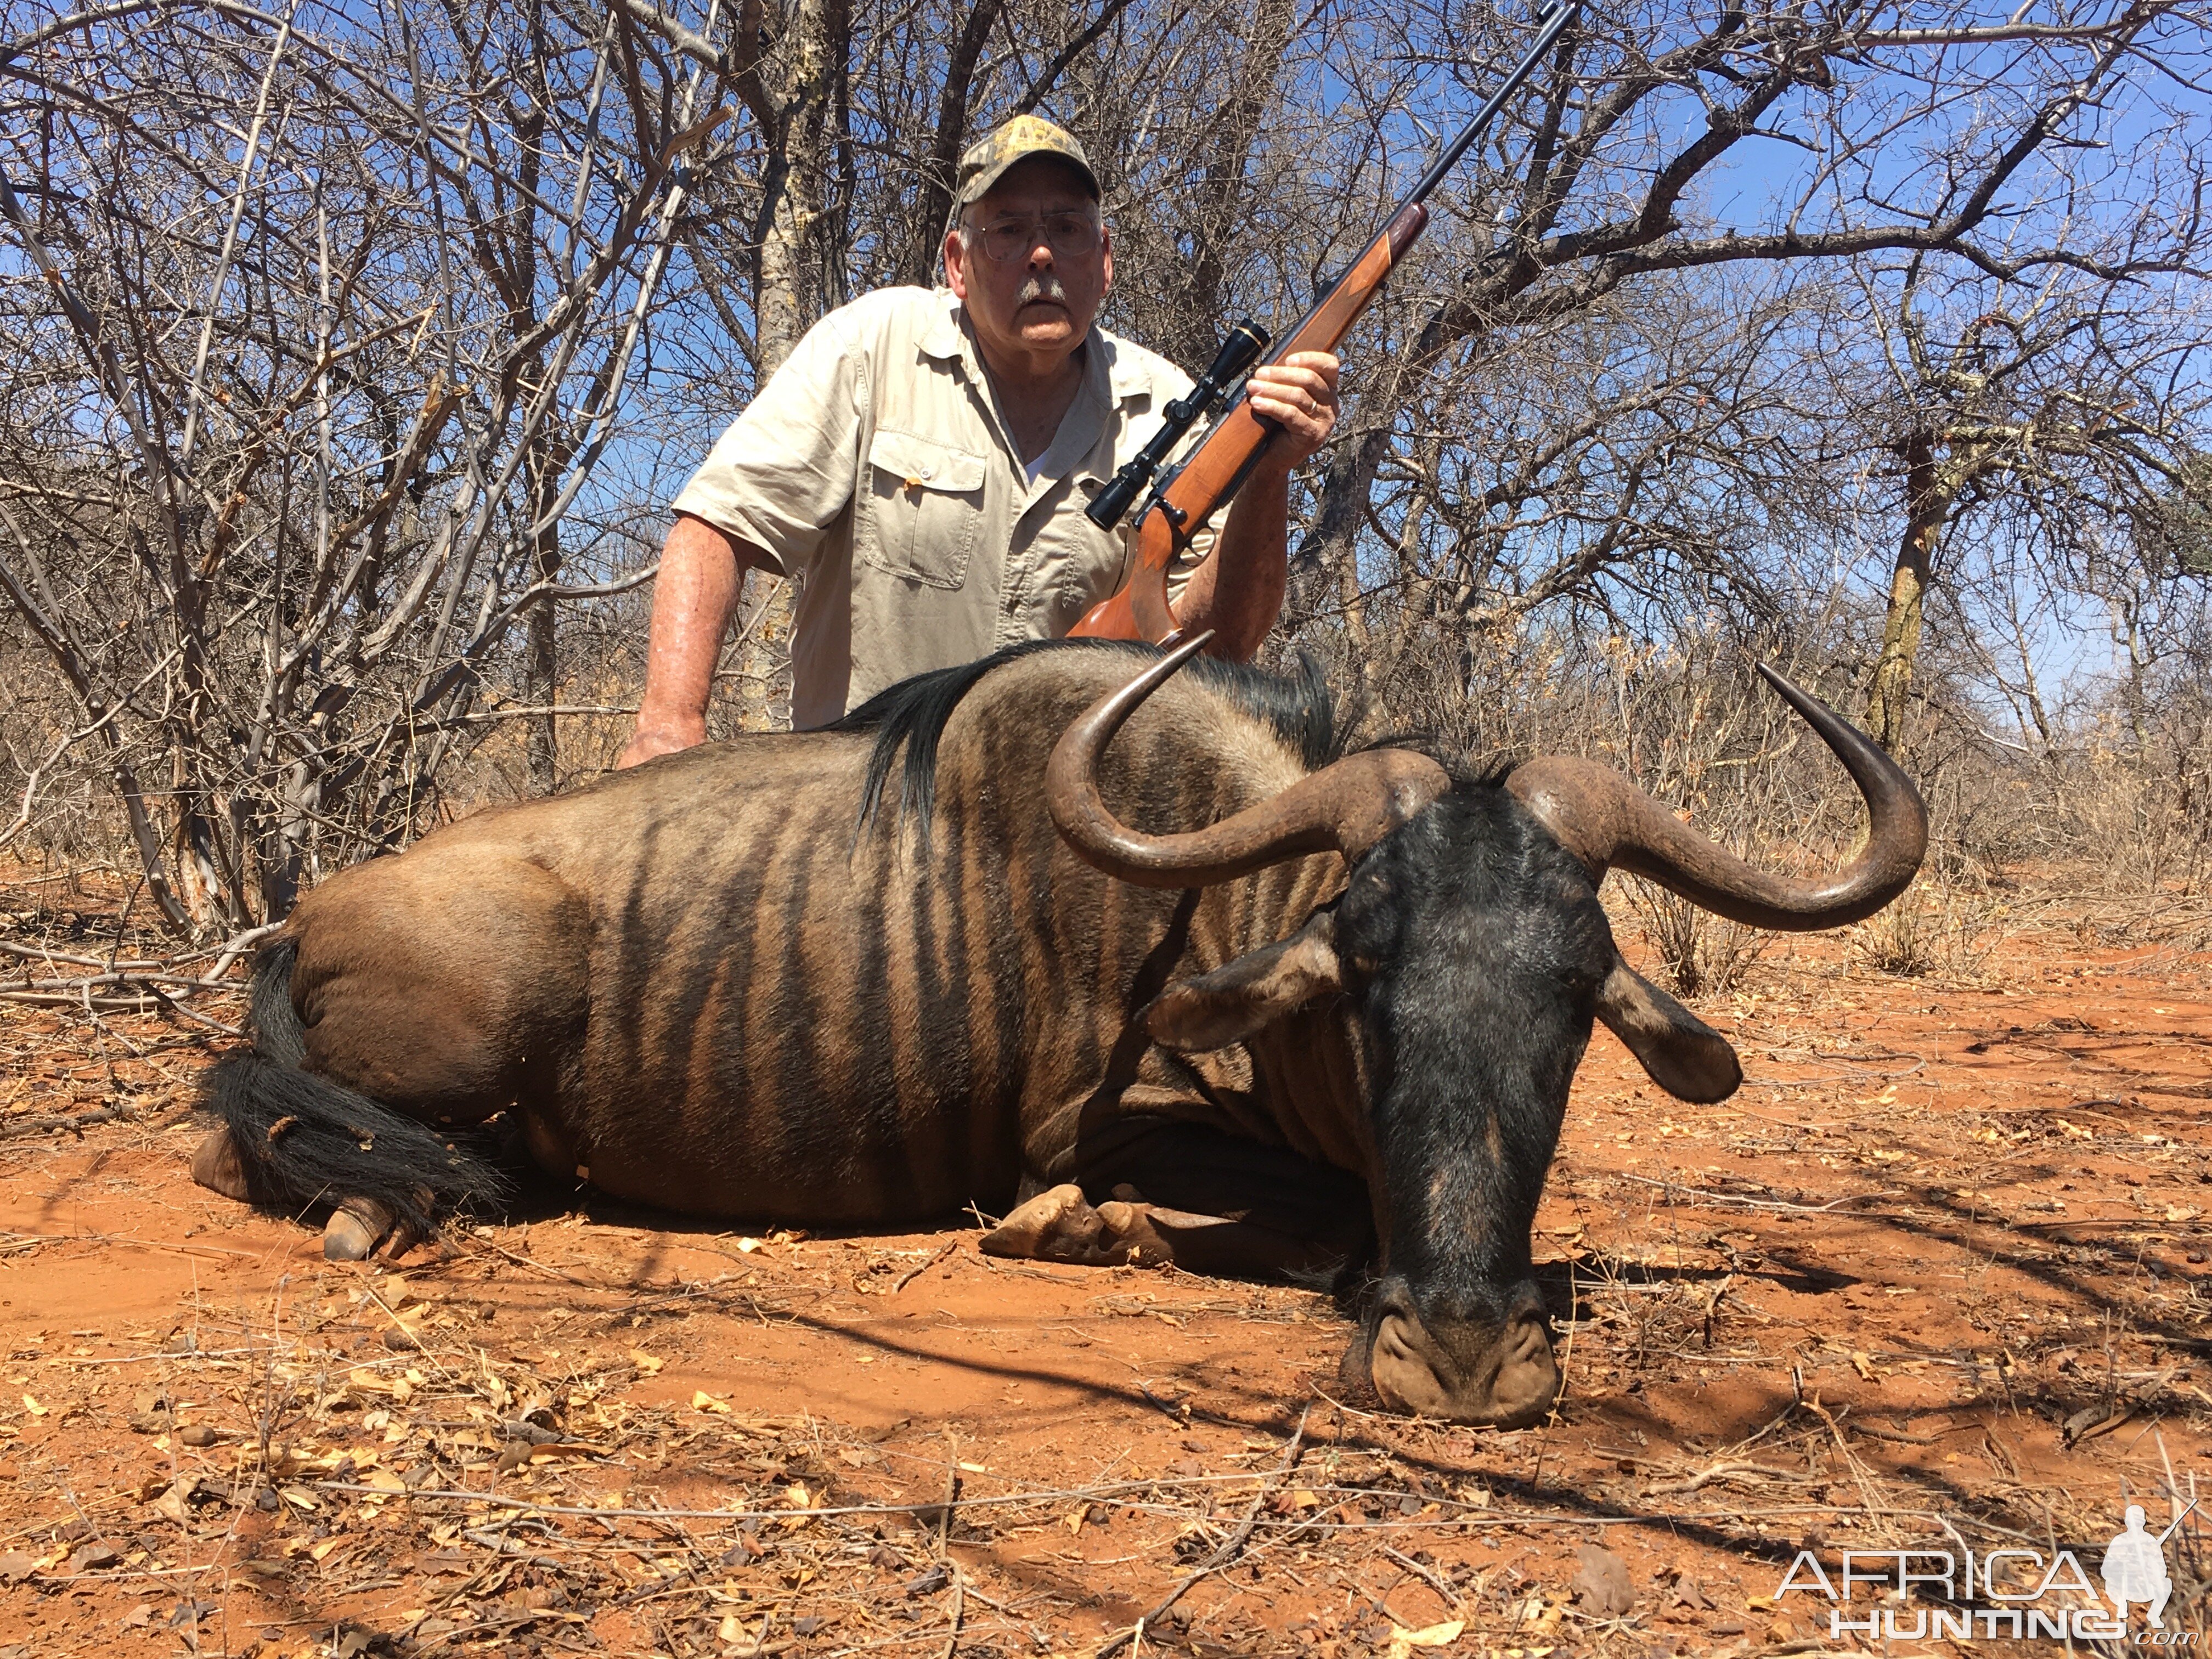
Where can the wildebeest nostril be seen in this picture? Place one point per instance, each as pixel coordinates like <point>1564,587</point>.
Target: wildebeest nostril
<point>1482,1355</point>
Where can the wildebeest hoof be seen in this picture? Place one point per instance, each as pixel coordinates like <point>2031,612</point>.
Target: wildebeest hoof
<point>1056,1219</point>
<point>355,1229</point>
<point>1059,1225</point>
<point>217,1166</point>
<point>1135,1239</point>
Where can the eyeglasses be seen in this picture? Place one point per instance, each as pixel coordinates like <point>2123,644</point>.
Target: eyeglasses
<point>1072,234</point>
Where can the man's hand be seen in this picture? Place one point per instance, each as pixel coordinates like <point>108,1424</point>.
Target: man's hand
<point>665,739</point>
<point>701,570</point>
<point>1299,396</point>
<point>1238,592</point>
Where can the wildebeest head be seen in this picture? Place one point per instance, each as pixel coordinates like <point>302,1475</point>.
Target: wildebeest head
<point>1471,941</point>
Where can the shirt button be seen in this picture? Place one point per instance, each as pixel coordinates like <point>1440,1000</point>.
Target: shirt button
<point>929,473</point>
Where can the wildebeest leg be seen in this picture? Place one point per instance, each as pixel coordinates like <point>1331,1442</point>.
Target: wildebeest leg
<point>356,1226</point>
<point>547,1143</point>
<point>217,1166</point>
<point>1208,1202</point>
<point>449,993</point>
<point>406,996</point>
<point>1059,1225</point>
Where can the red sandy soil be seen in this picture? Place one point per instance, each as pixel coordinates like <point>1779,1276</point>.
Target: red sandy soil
<point>1936,1276</point>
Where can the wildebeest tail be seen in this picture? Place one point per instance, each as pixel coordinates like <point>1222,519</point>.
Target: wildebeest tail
<point>303,1139</point>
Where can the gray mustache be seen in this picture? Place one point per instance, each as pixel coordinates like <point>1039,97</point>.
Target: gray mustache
<point>1042,287</point>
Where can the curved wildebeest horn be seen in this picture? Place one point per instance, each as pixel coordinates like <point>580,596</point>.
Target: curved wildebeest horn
<point>1346,807</point>
<point>1605,820</point>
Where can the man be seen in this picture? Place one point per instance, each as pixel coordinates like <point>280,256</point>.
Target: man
<point>923,458</point>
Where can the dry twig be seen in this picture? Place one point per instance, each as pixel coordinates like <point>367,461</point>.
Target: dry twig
<point>1229,1547</point>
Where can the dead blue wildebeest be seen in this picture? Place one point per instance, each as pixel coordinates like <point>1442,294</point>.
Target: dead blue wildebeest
<point>1208,990</point>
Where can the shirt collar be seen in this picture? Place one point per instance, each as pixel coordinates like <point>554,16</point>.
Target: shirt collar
<point>946,338</point>
<point>1126,379</point>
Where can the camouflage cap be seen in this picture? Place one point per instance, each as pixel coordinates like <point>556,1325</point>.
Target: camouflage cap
<point>988,159</point>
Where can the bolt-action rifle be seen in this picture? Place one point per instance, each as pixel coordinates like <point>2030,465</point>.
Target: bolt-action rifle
<point>1192,492</point>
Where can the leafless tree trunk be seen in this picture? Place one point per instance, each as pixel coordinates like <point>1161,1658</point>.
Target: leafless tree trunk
<point>1928,495</point>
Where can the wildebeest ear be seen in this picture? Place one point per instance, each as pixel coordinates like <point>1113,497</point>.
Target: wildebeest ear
<point>1239,999</point>
<point>1684,1055</point>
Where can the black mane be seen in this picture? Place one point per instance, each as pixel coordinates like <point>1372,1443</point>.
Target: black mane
<point>912,715</point>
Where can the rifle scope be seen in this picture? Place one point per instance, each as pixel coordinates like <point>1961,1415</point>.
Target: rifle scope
<point>1238,353</point>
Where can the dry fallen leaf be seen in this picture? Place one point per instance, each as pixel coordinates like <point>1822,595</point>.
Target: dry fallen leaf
<point>97,1553</point>
<point>1404,1641</point>
<point>33,1406</point>
<point>1603,1585</point>
<point>703,1402</point>
<point>553,1450</point>
<point>646,1362</point>
<point>802,1502</point>
<point>1685,1594</point>
<point>175,1504</point>
<point>1532,1615</point>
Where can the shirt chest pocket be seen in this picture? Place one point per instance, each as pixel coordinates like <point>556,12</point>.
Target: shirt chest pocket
<point>924,511</point>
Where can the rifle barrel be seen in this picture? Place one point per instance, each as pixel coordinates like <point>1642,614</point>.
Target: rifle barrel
<point>1554,19</point>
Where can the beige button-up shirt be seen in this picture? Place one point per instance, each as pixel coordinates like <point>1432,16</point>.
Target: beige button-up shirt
<point>875,468</point>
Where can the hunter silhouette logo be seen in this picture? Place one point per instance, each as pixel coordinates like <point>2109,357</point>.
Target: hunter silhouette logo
<point>2134,1568</point>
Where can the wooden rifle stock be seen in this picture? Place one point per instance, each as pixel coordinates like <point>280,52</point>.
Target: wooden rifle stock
<point>1227,454</point>
<point>1232,449</point>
